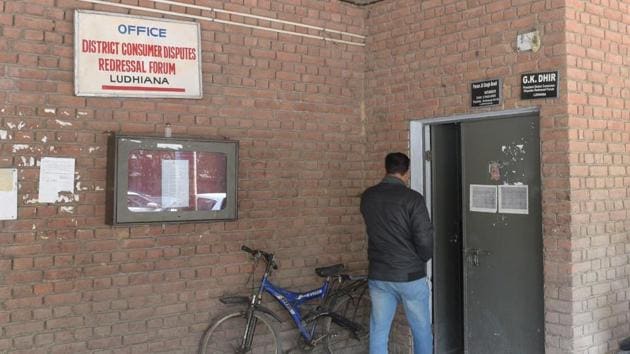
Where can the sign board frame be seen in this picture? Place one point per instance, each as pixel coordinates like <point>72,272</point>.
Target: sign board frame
<point>130,78</point>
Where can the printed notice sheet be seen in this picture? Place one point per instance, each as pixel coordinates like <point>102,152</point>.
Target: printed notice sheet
<point>513,199</point>
<point>175,192</point>
<point>8,193</point>
<point>56,175</point>
<point>483,198</point>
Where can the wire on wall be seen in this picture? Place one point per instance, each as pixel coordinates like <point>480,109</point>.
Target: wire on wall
<point>325,37</point>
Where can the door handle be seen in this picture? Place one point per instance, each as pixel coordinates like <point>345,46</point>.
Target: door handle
<point>472,255</point>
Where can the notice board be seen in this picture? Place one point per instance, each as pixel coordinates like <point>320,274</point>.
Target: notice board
<point>155,179</point>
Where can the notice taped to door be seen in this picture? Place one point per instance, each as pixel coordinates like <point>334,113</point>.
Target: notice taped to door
<point>483,198</point>
<point>513,199</point>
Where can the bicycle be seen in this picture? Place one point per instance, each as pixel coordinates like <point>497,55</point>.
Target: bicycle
<point>341,317</point>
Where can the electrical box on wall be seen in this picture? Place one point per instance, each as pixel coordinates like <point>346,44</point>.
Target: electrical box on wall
<point>529,41</point>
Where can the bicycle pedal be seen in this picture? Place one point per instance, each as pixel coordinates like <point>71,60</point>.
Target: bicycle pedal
<point>362,334</point>
<point>304,348</point>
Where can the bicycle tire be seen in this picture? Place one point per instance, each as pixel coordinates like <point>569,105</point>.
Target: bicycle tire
<point>339,340</point>
<point>225,335</point>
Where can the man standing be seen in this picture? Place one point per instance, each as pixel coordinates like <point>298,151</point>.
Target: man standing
<point>400,242</point>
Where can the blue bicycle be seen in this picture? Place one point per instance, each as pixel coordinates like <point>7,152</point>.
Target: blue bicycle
<point>339,318</point>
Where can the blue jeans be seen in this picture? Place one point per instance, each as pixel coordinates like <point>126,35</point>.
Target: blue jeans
<point>385,297</point>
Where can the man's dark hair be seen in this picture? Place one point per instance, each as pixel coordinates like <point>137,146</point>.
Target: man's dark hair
<point>396,162</point>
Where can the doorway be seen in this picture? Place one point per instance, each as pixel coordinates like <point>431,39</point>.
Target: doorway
<point>483,187</point>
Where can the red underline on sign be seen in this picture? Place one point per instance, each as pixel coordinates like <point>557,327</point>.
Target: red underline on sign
<point>143,88</point>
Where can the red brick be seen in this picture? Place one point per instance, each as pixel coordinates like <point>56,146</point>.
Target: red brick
<point>42,289</point>
<point>23,328</point>
<point>104,343</point>
<point>76,347</point>
<point>28,302</point>
<point>58,299</point>
<point>68,322</point>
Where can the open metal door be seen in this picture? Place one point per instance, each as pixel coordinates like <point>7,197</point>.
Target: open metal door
<point>447,264</point>
<point>502,236</point>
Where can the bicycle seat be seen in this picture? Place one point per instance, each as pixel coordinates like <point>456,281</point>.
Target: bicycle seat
<point>330,270</point>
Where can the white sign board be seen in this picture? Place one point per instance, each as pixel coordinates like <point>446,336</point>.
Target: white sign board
<point>133,56</point>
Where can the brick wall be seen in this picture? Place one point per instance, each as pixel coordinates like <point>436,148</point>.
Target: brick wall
<point>598,48</point>
<point>421,58</point>
<point>70,284</point>
<point>314,120</point>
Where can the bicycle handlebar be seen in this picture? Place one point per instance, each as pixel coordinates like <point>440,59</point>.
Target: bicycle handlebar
<point>248,250</point>
<point>257,253</point>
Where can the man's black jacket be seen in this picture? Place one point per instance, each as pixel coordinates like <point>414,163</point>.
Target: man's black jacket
<point>400,233</point>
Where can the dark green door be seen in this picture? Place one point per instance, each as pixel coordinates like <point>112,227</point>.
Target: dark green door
<point>448,329</point>
<point>502,236</point>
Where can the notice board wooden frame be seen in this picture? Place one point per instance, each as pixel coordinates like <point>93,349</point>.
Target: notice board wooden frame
<point>148,178</point>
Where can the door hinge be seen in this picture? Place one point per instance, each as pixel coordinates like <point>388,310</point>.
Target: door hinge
<point>427,156</point>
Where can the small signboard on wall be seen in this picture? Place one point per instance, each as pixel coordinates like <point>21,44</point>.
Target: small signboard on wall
<point>133,56</point>
<point>539,85</point>
<point>485,93</point>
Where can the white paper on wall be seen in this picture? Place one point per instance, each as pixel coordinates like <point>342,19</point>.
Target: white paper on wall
<point>8,193</point>
<point>56,175</point>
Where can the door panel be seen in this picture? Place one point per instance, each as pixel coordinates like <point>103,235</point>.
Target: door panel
<point>502,261</point>
<point>447,266</point>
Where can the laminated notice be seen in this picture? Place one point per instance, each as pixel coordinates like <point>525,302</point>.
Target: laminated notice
<point>483,198</point>
<point>513,199</point>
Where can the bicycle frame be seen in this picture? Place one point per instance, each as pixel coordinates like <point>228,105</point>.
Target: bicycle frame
<point>291,301</point>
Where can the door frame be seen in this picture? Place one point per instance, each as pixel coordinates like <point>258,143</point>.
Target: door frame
<point>420,144</point>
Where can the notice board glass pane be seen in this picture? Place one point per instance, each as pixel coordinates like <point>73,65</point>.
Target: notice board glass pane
<point>176,181</point>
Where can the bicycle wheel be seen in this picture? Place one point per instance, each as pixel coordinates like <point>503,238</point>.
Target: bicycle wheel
<point>340,340</point>
<point>226,335</point>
